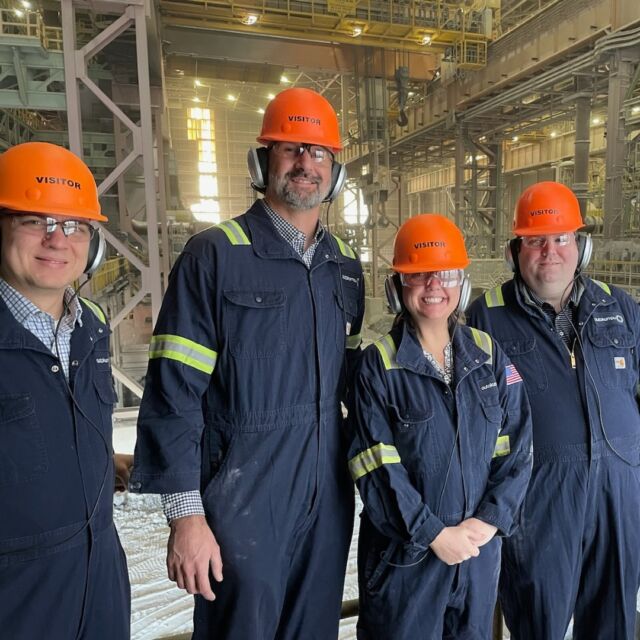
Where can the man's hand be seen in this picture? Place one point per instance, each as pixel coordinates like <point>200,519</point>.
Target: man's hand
<point>123,463</point>
<point>453,545</point>
<point>479,531</point>
<point>192,550</point>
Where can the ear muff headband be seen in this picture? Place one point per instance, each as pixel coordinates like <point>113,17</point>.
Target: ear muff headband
<point>393,291</point>
<point>97,252</point>
<point>258,164</point>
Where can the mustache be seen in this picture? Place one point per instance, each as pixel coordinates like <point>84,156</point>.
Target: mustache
<point>297,173</point>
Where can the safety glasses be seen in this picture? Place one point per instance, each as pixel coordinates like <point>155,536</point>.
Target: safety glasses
<point>43,226</point>
<point>446,278</point>
<point>293,150</point>
<point>539,242</point>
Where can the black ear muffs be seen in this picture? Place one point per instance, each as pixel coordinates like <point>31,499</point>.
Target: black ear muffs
<point>258,164</point>
<point>393,291</point>
<point>583,240</point>
<point>97,252</point>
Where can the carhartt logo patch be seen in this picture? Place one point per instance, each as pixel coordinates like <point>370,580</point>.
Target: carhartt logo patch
<point>619,363</point>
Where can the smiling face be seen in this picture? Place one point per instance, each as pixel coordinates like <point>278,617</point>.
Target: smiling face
<point>432,302</point>
<point>297,182</point>
<point>40,266</point>
<point>549,269</point>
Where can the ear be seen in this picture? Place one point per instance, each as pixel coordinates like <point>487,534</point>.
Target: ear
<point>258,164</point>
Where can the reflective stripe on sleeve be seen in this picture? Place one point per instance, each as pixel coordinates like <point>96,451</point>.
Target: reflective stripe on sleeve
<point>182,350</point>
<point>503,447</point>
<point>372,459</point>
<point>388,351</point>
<point>603,285</point>
<point>494,297</point>
<point>353,342</point>
<point>234,232</point>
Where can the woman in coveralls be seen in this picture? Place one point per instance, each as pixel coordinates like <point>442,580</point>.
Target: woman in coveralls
<point>441,453</point>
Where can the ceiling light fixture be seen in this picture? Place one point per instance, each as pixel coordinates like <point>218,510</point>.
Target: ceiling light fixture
<point>553,134</point>
<point>18,12</point>
<point>635,109</point>
<point>231,97</point>
<point>356,32</point>
<point>197,83</point>
<point>425,40</point>
<point>250,19</point>
<point>515,139</point>
<point>595,121</point>
<point>260,110</point>
<point>271,96</point>
<point>284,79</point>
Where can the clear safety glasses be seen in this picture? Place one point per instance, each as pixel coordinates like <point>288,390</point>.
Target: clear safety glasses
<point>446,278</point>
<point>43,226</point>
<point>293,150</point>
<point>539,242</point>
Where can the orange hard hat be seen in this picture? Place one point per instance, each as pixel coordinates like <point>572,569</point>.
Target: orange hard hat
<point>45,178</point>
<point>300,115</point>
<point>428,242</point>
<point>546,208</point>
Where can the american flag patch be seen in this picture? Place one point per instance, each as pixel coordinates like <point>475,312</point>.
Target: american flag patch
<point>512,374</point>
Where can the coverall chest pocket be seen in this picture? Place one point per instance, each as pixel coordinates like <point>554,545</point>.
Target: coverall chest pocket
<point>256,323</point>
<point>347,310</point>
<point>525,355</point>
<point>23,454</point>
<point>493,421</point>
<point>103,383</point>
<point>615,354</point>
<point>421,445</point>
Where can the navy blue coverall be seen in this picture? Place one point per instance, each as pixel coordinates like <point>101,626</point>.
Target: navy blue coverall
<point>578,549</point>
<point>243,401</point>
<point>63,573</point>
<point>429,455</point>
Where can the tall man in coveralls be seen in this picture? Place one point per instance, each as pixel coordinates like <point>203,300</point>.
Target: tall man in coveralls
<point>575,342</point>
<point>240,425</point>
<point>63,574</point>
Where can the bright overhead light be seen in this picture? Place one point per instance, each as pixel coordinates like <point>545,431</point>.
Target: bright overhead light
<point>197,82</point>
<point>426,40</point>
<point>595,121</point>
<point>356,32</point>
<point>195,99</point>
<point>284,79</point>
<point>231,97</point>
<point>18,12</point>
<point>26,4</point>
<point>553,134</point>
<point>515,139</point>
<point>250,19</point>
<point>271,96</point>
<point>260,110</point>
<point>411,94</point>
<point>635,110</point>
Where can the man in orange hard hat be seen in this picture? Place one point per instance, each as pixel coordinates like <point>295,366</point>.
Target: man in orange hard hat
<point>240,425</point>
<point>575,341</point>
<point>63,573</point>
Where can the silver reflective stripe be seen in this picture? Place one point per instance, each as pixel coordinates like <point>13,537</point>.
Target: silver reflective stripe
<point>503,447</point>
<point>388,351</point>
<point>97,311</point>
<point>372,459</point>
<point>234,232</point>
<point>603,285</point>
<point>183,350</point>
<point>345,249</point>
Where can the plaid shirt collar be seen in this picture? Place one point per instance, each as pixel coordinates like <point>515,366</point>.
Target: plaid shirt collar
<point>290,233</point>
<point>530,297</point>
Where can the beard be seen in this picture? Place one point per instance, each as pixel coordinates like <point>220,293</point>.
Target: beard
<point>297,201</point>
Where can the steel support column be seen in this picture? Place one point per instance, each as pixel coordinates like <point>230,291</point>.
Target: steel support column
<point>582,141</point>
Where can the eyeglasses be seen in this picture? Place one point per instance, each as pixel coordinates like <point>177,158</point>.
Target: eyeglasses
<point>43,226</point>
<point>539,242</point>
<point>292,151</point>
<point>447,278</point>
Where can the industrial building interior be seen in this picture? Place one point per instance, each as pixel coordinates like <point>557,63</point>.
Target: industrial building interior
<point>451,107</point>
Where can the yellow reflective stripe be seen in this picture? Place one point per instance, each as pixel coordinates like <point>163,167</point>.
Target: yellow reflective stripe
<point>503,448</point>
<point>372,459</point>
<point>388,352</point>
<point>183,350</point>
<point>97,311</point>
<point>603,285</point>
<point>353,342</point>
<point>345,249</point>
<point>234,232</point>
<point>483,340</point>
<point>494,297</point>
